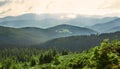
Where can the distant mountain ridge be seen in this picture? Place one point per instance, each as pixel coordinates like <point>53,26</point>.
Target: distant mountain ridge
<point>31,35</point>
<point>23,36</point>
<point>114,29</point>
<point>32,29</point>
<point>104,27</point>
<point>72,30</point>
<point>50,20</point>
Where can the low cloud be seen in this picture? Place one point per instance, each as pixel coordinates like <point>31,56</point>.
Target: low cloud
<point>3,2</point>
<point>6,11</point>
<point>84,7</point>
<point>110,4</point>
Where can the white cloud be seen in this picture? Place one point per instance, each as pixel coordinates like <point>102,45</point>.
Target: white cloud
<point>85,7</point>
<point>3,2</point>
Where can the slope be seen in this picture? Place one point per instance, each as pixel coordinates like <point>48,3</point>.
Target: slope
<point>80,43</point>
<point>70,30</point>
<point>22,36</point>
<point>104,27</point>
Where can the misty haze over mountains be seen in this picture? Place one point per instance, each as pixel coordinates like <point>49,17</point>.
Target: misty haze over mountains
<point>50,20</point>
<point>32,29</point>
<point>31,35</point>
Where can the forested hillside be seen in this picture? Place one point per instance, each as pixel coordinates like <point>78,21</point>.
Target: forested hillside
<point>78,43</point>
<point>27,36</point>
<point>105,56</point>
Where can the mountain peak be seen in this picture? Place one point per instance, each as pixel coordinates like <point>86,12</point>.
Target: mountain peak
<point>31,28</point>
<point>70,29</point>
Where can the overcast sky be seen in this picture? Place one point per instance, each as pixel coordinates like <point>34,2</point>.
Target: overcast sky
<point>84,7</point>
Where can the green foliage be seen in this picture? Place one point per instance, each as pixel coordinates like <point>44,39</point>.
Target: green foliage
<point>105,56</point>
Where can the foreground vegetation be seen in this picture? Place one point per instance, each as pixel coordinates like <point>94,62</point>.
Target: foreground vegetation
<point>105,56</point>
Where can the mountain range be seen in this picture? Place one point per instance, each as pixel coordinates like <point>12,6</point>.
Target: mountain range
<point>110,26</point>
<point>31,35</point>
<point>50,20</point>
<point>97,23</point>
<point>32,29</point>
